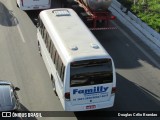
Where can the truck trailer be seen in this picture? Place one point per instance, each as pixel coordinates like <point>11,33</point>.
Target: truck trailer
<point>94,11</point>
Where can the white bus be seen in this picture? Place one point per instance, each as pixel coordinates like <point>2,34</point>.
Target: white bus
<point>82,72</point>
<point>33,4</point>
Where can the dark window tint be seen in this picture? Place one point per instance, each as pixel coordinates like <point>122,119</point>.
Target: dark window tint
<point>91,72</point>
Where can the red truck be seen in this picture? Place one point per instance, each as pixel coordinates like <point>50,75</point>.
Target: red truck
<point>95,12</point>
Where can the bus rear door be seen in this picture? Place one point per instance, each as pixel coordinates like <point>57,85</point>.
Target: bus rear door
<point>91,82</point>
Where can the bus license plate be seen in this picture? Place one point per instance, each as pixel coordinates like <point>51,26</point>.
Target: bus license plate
<point>90,107</point>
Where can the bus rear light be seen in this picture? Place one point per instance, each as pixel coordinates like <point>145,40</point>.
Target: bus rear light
<point>113,90</point>
<point>67,95</point>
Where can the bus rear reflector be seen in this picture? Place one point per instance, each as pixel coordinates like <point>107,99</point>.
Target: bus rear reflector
<point>67,95</point>
<point>113,90</point>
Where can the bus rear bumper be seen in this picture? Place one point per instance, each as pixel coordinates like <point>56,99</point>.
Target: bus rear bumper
<point>34,7</point>
<point>87,107</point>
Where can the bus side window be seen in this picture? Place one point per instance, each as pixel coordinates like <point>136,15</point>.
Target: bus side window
<point>40,24</point>
<point>48,41</point>
<point>56,60</point>
<point>59,65</point>
<point>50,49</point>
<point>50,46</point>
<point>53,55</point>
<point>42,31</point>
<point>45,37</point>
<point>62,72</point>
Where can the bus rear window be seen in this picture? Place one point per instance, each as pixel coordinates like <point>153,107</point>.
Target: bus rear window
<point>91,72</point>
<point>86,63</point>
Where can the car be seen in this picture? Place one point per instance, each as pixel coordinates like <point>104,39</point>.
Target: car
<point>9,100</point>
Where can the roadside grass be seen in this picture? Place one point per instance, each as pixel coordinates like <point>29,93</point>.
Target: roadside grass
<point>147,10</point>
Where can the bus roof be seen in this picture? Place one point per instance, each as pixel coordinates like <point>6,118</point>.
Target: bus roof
<point>71,36</point>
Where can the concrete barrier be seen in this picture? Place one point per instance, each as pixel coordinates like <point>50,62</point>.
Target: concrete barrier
<point>139,21</point>
<point>124,9</point>
<point>156,35</point>
<point>117,4</point>
<point>132,16</point>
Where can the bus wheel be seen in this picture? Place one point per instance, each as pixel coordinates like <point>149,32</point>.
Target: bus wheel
<point>53,85</point>
<point>17,5</point>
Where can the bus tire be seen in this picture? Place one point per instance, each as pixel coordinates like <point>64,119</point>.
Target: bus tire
<point>17,5</point>
<point>53,85</point>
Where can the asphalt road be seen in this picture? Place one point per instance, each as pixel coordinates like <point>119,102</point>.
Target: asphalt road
<point>137,67</point>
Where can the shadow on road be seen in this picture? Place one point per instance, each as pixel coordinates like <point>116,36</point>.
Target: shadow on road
<point>6,17</point>
<point>120,48</point>
<point>23,110</point>
<point>129,98</point>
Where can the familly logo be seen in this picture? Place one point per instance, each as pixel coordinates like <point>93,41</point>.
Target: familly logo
<point>98,89</point>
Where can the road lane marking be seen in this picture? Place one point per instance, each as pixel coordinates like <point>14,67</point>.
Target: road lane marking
<point>138,46</point>
<point>19,30</point>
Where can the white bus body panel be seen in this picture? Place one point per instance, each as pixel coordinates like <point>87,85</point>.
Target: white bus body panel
<point>91,106</point>
<point>90,94</point>
<point>33,4</point>
<point>83,102</point>
<point>51,68</point>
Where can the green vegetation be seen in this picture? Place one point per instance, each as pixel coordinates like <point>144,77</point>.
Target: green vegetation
<point>147,10</point>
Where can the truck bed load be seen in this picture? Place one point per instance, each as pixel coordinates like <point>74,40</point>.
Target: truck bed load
<point>97,5</point>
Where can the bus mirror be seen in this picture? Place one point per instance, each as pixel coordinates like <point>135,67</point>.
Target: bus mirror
<point>16,89</point>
